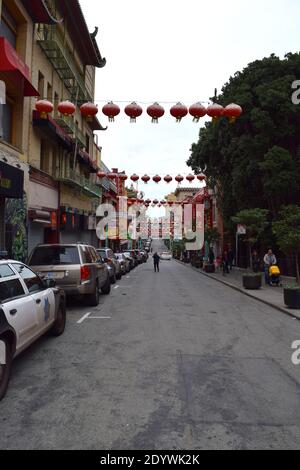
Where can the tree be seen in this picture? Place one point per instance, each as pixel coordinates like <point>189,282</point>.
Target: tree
<point>212,235</point>
<point>255,160</point>
<point>287,232</point>
<point>255,221</point>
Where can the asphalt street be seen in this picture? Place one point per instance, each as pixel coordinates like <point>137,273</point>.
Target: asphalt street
<point>172,360</point>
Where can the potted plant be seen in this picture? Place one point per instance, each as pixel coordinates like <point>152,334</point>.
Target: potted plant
<point>291,295</point>
<point>252,281</point>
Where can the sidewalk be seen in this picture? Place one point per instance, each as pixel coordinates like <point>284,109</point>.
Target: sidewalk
<point>272,296</point>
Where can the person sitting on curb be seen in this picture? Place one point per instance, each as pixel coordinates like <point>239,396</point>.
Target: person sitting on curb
<point>269,260</point>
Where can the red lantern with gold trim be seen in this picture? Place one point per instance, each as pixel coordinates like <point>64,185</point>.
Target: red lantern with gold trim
<point>179,111</point>
<point>146,179</point>
<point>179,179</point>
<point>66,108</point>
<point>215,111</point>
<point>134,111</point>
<point>156,111</point>
<point>135,178</point>
<point>123,177</point>
<point>190,178</point>
<point>111,110</point>
<point>102,174</point>
<point>157,179</point>
<point>198,111</point>
<point>112,176</point>
<point>89,111</point>
<point>168,179</point>
<point>44,107</point>
<point>233,111</point>
<point>201,177</point>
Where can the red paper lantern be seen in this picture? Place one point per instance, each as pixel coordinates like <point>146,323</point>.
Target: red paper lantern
<point>179,111</point>
<point>89,111</point>
<point>102,174</point>
<point>44,107</point>
<point>134,178</point>
<point>134,111</point>
<point>233,111</point>
<point>112,176</point>
<point>168,179</point>
<point>66,108</point>
<point>155,202</point>
<point>148,201</point>
<point>123,177</point>
<point>215,111</point>
<point>190,178</point>
<point>157,179</point>
<point>171,203</point>
<point>163,203</point>
<point>146,179</point>
<point>198,111</point>
<point>111,110</point>
<point>201,177</point>
<point>179,179</point>
<point>155,111</point>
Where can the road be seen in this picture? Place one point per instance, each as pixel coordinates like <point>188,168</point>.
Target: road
<point>172,360</point>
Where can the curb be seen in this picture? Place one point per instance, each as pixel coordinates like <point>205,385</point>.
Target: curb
<point>243,291</point>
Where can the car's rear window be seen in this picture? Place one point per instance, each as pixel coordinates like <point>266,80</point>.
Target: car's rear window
<point>6,271</point>
<point>55,256</point>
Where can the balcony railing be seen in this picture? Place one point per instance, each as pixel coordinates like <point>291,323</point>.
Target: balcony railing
<point>74,179</point>
<point>63,62</point>
<point>68,125</point>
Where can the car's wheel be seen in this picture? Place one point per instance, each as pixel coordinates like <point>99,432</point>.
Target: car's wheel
<point>106,288</point>
<point>5,350</point>
<point>93,299</point>
<point>60,322</point>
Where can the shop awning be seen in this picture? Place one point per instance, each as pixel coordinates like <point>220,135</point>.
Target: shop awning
<point>11,181</point>
<point>15,70</point>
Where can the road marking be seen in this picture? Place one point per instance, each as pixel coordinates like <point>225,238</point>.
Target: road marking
<point>84,318</point>
<point>116,287</point>
<point>99,318</point>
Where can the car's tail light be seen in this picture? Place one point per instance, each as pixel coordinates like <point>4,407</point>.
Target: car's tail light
<point>85,273</point>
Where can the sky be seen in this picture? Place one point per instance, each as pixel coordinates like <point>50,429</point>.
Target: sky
<point>170,51</point>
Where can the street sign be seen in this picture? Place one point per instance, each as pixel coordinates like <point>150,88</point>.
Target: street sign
<point>241,230</point>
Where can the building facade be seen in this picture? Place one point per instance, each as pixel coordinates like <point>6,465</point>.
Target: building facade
<point>54,58</point>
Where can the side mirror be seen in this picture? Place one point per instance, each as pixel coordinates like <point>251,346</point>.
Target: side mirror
<point>49,283</point>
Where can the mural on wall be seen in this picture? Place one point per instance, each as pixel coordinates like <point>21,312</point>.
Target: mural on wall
<point>16,228</point>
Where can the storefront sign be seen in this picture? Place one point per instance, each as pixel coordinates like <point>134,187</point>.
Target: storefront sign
<point>11,181</point>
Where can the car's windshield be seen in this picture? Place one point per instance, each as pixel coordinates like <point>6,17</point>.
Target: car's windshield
<point>55,256</point>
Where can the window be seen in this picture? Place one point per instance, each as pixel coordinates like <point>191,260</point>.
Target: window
<point>86,255</point>
<point>49,92</point>
<point>44,156</point>
<point>32,281</point>
<point>8,26</point>
<point>41,86</point>
<point>6,271</point>
<point>6,121</point>
<point>10,290</point>
<point>87,143</point>
<point>55,256</point>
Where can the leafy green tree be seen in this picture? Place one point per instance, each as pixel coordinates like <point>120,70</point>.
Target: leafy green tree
<point>255,221</point>
<point>287,232</point>
<point>256,161</point>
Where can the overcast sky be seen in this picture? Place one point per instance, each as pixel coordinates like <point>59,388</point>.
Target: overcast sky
<point>170,51</point>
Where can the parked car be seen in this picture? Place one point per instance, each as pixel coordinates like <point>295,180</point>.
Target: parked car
<point>130,259</point>
<point>29,308</point>
<point>76,268</point>
<point>115,269</point>
<point>139,256</point>
<point>145,256</point>
<point>124,262</point>
<point>133,255</point>
<point>166,256</point>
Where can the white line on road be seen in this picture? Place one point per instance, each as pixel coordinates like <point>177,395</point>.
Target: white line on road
<point>116,287</point>
<point>99,318</point>
<point>84,318</point>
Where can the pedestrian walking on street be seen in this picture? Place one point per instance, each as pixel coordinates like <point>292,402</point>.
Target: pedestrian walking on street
<point>255,261</point>
<point>156,260</point>
<point>225,263</point>
<point>231,257</point>
<point>269,260</point>
<point>211,256</point>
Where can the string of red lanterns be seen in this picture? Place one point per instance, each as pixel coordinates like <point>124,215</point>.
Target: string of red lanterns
<point>134,110</point>
<point>146,178</point>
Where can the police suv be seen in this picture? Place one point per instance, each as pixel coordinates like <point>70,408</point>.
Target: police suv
<point>29,307</point>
